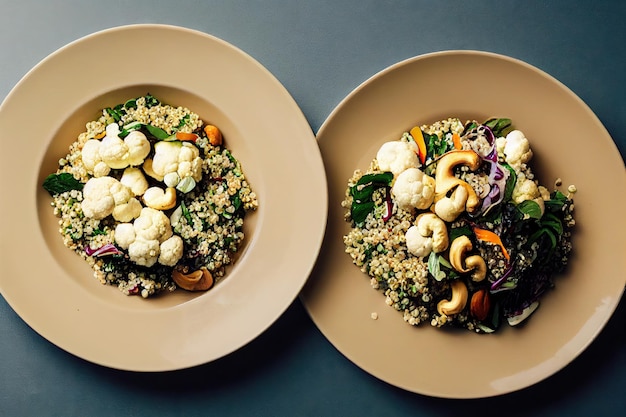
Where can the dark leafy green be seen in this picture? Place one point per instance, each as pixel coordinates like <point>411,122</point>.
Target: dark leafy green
<point>499,126</point>
<point>530,209</point>
<point>362,192</point>
<point>60,183</point>
<point>157,132</point>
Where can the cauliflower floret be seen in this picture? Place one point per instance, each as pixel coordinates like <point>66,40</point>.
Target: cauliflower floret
<point>413,189</point>
<point>102,194</point>
<point>397,156</point>
<point>144,239</point>
<point>138,147</point>
<point>526,189</point>
<point>517,149</point>
<point>171,251</point>
<point>90,154</point>
<point>124,235</point>
<point>113,150</point>
<point>152,225</point>
<point>118,153</point>
<point>135,180</point>
<point>144,252</point>
<point>127,211</point>
<point>182,159</point>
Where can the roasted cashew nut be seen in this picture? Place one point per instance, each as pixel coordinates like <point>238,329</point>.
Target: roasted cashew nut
<point>457,301</point>
<point>429,234</point>
<point>159,199</point>
<point>463,263</point>
<point>200,280</point>
<point>445,181</point>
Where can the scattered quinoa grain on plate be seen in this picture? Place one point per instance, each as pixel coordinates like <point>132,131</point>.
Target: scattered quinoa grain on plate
<point>152,199</point>
<point>452,227</point>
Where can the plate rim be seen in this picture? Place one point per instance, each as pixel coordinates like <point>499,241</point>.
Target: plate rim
<point>299,272</point>
<point>330,120</point>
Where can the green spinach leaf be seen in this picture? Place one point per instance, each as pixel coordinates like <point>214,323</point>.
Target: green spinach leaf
<point>60,183</point>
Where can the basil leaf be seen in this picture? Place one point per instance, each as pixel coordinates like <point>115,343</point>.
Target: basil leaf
<point>530,208</point>
<point>556,202</point>
<point>362,203</point>
<point>460,231</point>
<point>433,265</point>
<point>383,178</point>
<point>157,132</point>
<point>359,211</point>
<point>362,194</point>
<point>60,183</point>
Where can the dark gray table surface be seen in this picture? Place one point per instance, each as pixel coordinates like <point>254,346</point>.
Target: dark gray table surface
<point>320,51</point>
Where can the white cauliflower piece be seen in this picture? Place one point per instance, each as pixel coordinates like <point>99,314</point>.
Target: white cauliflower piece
<point>171,251</point>
<point>144,252</point>
<point>135,180</point>
<point>138,147</point>
<point>526,189</point>
<point>413,189</point>
<point>428,234</point>
<point>124,235</point>
<point>152,225</point>
<point>90,154</point>
<point>113,151</point>
<point>118,153</point>
<point>182,159</point>
<point>102,194</point>
<point>127,211</point>
<point>149,231</point>
<point>517,149</point>
<point>397,156</point>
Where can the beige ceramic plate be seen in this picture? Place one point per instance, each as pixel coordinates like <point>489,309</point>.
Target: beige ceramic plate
<point>54,291</point>
<point>569,142</point>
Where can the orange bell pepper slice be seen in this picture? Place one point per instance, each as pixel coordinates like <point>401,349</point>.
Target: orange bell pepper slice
<point>186,136</point>
<point>456,141</point>
<point>416,132</point>
<point>489,236</point>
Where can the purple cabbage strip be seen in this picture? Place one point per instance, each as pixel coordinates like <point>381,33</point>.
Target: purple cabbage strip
<point>108,249</point>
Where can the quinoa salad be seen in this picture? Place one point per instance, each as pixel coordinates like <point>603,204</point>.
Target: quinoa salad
<point>450,224</point>
<point>152,199</point>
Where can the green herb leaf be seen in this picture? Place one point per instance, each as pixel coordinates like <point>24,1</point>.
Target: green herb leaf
<point>182,122</point>
<point>151,101</point>
<point>499,127</point>
<point>362,203</point>
<point>131,104</point>
<point>556,202</point>
<point>530,208</point>
<point>186,213</point>
<point>114,113</point>
<point>382,178</point>
<point>510,182</point>
<point>359,211</point>
<point>60,183</point>
<point>435,147</point>
<point>460,231</point>
<point>157,132</point>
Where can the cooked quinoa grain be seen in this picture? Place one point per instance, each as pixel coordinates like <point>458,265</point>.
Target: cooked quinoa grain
<point>135,241</point>
<point>428,268</point>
